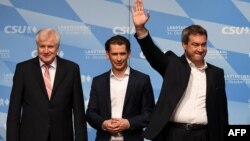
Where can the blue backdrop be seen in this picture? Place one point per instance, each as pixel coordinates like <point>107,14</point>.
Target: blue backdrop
<point>85,25</point>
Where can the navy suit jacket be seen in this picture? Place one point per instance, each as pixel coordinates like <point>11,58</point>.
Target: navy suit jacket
<point>175,72</point>
<point>138,105</point>
<point>32,117</point>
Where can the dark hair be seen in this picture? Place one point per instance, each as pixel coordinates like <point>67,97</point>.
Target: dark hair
<point>192,30</point>
<point>119,40</point>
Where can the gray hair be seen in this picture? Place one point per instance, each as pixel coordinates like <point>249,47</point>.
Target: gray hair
<point>48,32</point>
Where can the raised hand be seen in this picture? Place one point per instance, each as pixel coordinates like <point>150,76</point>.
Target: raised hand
<point>139,16</point>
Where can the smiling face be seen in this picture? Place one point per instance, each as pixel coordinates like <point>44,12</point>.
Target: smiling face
<point>194,42</point>
<point>196,49</point>
<point>118,52</point>
<point>118,56</point>
<point>47,45</point>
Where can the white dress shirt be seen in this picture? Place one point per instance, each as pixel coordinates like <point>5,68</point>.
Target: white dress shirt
<point>118,89</point>
<point>192,106</point>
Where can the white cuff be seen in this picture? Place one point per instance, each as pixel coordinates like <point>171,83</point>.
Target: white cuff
<point>143,36</point>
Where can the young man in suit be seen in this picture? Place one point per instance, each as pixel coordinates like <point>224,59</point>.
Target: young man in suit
<point>192,105</point>
<point>121,99</point>
<point>46,92</point>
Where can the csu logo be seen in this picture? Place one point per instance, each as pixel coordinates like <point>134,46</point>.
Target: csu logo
<point>123,30</point>
<point>12,29</point>
<point>232,30</point>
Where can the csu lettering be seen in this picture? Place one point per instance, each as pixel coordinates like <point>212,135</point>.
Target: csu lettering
<point>19,29</point>
<point>123,30</point>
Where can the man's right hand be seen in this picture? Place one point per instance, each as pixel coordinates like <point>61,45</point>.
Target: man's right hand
<point>111,126</point>
<point>139,17</point>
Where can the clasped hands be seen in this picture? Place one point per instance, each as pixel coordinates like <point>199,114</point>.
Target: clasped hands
<point>115,125</point>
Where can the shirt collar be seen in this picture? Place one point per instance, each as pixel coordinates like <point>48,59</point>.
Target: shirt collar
<point>126,73</point>
<point>53,64</point>
<point>191,64</point>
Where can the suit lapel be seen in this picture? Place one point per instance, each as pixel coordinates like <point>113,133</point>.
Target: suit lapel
<point>106,92</point>
<point>60,73</point>
<point>209,81</point>
<point>130,86</point>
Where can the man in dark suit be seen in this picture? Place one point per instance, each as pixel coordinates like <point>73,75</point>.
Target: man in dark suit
<point>41,107</point>
<point>192,105</point>
<point>121,99</point>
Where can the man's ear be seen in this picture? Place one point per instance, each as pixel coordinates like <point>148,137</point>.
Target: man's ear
<point>184,46</point>
<point>107,55</point>
<point>129,54</point>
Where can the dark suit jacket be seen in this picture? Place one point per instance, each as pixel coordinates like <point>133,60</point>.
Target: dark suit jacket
<point>175,72</point>
<point>32,117</point>
<point>138,104</point>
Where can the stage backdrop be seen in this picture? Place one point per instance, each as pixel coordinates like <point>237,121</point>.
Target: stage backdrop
<point>85,25</point>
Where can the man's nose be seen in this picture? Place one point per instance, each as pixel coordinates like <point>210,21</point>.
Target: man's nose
<point>200,48</point>
<point>119,57</point>
<point>46,49</point>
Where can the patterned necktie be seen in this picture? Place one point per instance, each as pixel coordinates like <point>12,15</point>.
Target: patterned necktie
<point>47,80</point>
